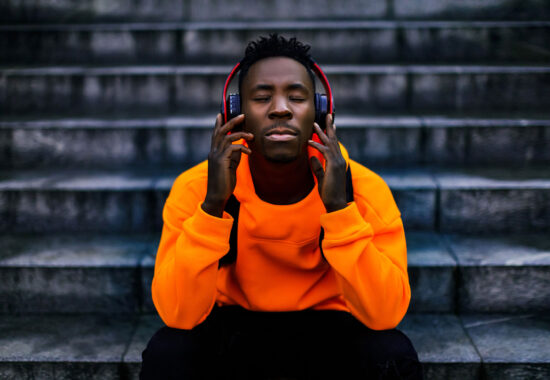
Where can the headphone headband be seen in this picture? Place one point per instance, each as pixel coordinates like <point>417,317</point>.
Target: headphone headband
<point>326,85</point>
<point>316,69</point>
<point>234,71</point>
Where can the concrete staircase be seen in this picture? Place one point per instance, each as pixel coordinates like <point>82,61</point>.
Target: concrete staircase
<point>103,103</point>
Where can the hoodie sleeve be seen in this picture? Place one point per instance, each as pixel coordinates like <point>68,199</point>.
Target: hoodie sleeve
<point>186,267</point>
<point>366,247</point>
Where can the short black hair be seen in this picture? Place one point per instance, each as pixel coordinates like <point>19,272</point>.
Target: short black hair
<point>276,46</point>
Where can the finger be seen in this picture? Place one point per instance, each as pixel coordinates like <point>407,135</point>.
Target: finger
<point>239,135</point>
<point>322,136</point>
<point>231,124</point>
<point>320,147</point>
<point>317,169</point>
<point>235,148</point>
<point>331,128</point>
<point>234,159</point>
<point>218,122</point>
<point>217,125</point>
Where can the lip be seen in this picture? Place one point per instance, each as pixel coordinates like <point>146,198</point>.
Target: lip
<point>280,137</point>
<point>281,131</point>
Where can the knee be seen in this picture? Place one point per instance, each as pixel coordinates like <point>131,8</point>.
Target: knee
<point>396,345</point>
<point>393,355</point>
<point>166,343</point>
<point>169,352</point>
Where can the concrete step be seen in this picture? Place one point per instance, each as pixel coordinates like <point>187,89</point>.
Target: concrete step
<point>389,141</point>
<point>494,200</point>
<point>510,274</point>
<point>77,273</point>
<point>100,347</point>
<point>509,347</point>
<point>473,200</point>
<point>93,273</point>
<point>338,42</point>
<point>64,347</point>
<point>169,10</point>
<point>362,88</point>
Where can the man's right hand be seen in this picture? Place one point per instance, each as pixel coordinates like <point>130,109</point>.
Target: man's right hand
<point>223,160</point>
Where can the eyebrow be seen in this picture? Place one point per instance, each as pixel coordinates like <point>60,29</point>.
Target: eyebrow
<point>293,86</point>
<point>298,86</point>
<point>259,87</point>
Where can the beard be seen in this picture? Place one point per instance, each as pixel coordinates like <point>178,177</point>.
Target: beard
<point>281,159</point>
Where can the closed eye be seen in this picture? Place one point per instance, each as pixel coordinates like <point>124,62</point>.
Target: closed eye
<point>261,98</point>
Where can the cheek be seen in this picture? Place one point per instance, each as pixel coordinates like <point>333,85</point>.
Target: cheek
<point>308,117</point>
<point>250,119</point>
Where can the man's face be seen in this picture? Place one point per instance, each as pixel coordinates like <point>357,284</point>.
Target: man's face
<point>277,95</point>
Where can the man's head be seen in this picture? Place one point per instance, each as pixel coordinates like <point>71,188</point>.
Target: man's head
<point>277,94</point>
<point>275,46</point>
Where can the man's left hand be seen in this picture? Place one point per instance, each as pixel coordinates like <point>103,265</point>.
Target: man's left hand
<point>332,179</point>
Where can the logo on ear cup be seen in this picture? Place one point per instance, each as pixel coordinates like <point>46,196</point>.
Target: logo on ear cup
<point>321,110</point>
<point>233,106</point>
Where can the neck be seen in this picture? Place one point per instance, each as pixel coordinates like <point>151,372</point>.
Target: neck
<point>281,183</point>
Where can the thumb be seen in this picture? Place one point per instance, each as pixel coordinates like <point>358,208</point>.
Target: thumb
<point>317,169</point>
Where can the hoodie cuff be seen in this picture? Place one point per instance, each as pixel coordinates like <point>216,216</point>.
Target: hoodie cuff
<point>344,224</point>
<point>216,229</point>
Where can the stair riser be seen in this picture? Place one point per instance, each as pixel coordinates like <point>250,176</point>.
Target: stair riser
<point>403,90</point>
<point>487,145</point>
<point>495,210</point>
<point>104,211</point>
<point>450,9</point>
<point>410,44</point>
<point>59,370</point>
<point>436,371</point>
<point>432,289</point>
<point>140,210</point>
<point>170,10</point>
<point>69,290</point>
<point>511,371</point>
<point>480,210</point>
<point>504,289</point>
<point>113,290</point>
<point>116,147</point>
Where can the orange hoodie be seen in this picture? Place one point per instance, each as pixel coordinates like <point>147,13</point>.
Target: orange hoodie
<point>279,265</point>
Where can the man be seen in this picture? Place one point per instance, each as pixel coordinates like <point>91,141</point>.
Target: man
<point>319,282</point>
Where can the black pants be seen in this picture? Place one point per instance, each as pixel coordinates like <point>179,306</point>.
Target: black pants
<point>234,343</point>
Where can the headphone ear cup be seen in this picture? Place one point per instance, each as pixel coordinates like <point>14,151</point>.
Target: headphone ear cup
<point>233,106</point>
<point>321,110</point>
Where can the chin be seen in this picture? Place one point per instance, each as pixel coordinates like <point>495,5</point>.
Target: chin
<point>280,158</point>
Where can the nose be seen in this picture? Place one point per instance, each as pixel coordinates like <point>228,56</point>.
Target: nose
<point>279,108</point>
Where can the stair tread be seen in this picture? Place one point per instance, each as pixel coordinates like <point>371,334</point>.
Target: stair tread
<point>431,249</point>
<point>208,69</point>
<point>438,338</point>
<point>58,338</point>
<point>75,250</point>
<point>516,250</point>
<point>279,25</point>
<point>344,120</point>
<point>510,339</point>
<point>160,179</point>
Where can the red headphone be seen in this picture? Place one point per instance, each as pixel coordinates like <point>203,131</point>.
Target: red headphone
<point>324,104</point>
